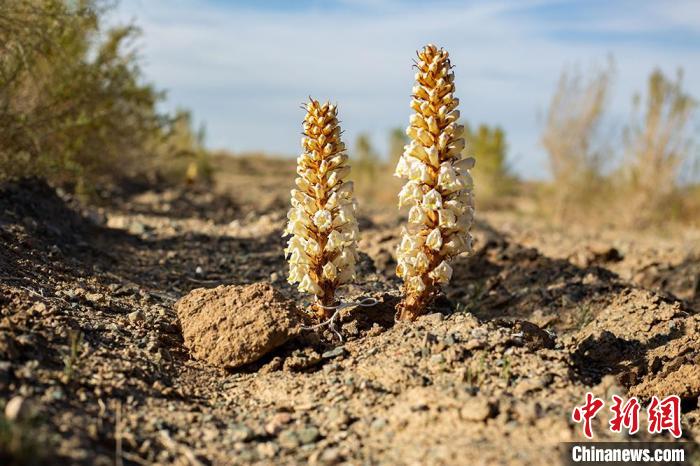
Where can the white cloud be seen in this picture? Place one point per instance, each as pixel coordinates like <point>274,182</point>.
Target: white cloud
<point>245,71</point>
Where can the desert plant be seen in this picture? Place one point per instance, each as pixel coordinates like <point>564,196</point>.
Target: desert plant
<point>366,158</point>
<point>366,167</point>
<point>322,250</point>
<point>573,141</point>
<point>397,141</point>
<point>658,145</point>
<point>74,107</point>
<point>71,358</point>
<point>488,145</point>
<point>179,152</point>
<point>439,186</point>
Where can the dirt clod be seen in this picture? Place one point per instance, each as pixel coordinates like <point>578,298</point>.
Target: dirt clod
<point>231,326</point>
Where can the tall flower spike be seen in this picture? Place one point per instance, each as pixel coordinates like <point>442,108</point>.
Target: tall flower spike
<point>322,250</point>
<point>439,186</point>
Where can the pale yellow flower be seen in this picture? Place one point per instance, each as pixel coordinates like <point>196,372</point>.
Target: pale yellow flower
<point>410,244</point>
<point>321,252</point>
<point>416,215</point>
<point>416,284</point>
<point>442,273</point>
<point>308,285</point>
<point>432,200</point>
<point>323,220</point>
<point>434,240</point>
<point>312,248</point>
<point>330,271</point>
<point>410,194</point>
<point>438,187</point>
<point>447,218</point>
<point>296,273</point>
<point>335,241</point>
<point>421,262</point>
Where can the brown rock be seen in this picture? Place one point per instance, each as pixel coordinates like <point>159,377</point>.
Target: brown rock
<point>230,326</point>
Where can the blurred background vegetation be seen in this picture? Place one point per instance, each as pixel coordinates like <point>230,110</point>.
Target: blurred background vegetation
<point>76,110</point>
<point>638,182</point>
<point>74,107</point>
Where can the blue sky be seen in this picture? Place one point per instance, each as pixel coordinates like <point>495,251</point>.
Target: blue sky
<point>244,67</point>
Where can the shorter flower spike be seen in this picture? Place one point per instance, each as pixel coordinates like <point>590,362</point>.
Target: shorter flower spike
<point>322,249</point>
<point>439,186</point>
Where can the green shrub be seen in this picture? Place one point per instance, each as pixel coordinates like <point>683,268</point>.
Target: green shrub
<point>74,107</point>
<point>493,178</point>
<point>575,144</point>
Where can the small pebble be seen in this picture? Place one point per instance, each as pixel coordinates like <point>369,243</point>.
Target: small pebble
<point>17,409</point>
<point>334,353</point>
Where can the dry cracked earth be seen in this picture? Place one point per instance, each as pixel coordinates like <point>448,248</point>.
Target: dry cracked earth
<point>94,369</point>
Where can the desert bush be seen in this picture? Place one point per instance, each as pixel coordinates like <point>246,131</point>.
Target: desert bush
<point>322,250</point>
<point>374,184</point>
<point>178,151</point>
<point>575,144</point>
<point>439,186</point>
<point>397,141</point>
<point>657,147</point>
<point>367,167</point>
<point>496,180</point>
<point>73,104</point>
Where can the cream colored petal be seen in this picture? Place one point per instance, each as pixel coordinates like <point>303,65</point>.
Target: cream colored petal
<point>323,220</point>
<point>416,215</point>
<point>334,242</point>
<point>402,168</point>
<point>432,200</point>
<point>330,271</point>
<point>298,257</point>
<point>454,246</point>
<point>346,213</point>
<point>425,138</point>
<point>442,273</point>
<point>447,218</point>
<point>307,285</point>
<point>433,156</point>
<point>434,240</point>
<point>410,193</point>
<point>296,273</point>
<point>416,151</point>
<point>312,248</point>
<point>302,184</point>
<point>416,284</point>
<point>421,262</point>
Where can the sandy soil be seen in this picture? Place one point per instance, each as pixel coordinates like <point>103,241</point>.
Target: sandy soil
<point>91,348</point>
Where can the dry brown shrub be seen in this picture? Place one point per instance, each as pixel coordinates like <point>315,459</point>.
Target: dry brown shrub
<point>657,147</point>
<point>575,145</point>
